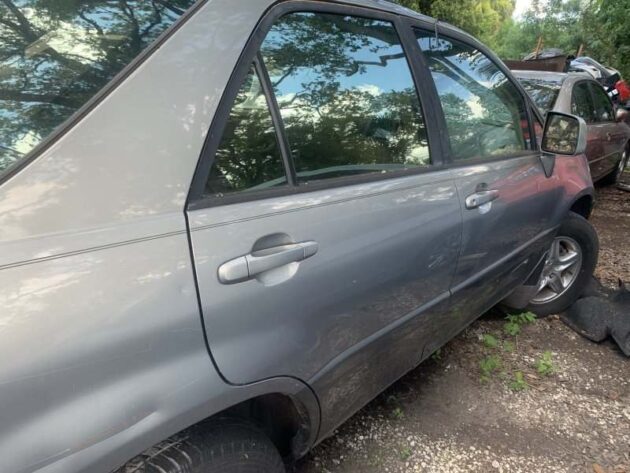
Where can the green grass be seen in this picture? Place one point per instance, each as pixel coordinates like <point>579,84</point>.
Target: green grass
<point>544,365</point>
<point>518,383</point>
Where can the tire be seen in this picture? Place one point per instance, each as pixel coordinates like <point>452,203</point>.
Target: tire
<point>226,445</point>
<point>615,176</point>
<point>576,232</point>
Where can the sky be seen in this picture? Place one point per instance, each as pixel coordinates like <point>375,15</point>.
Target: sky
<point>521,7</point>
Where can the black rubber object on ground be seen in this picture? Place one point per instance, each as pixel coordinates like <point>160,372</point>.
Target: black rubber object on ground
<point>580,230</point>
<point>603,315</point>
<point>225,445</point>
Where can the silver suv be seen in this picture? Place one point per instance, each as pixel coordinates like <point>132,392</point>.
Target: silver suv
<point>227,225</point>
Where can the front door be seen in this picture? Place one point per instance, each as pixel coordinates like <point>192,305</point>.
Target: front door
<point>507,200</point>
<point>324,241</point>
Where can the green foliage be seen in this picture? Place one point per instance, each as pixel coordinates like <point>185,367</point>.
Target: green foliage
<point>490,341</point>
<point>516,321</point>
<point>488,366</point>
<point>481,18</point>
<point>518,383</point>
<point>600,26</point>
<point>544,365</point>
<point>398,413</point>
<point>405,453</point>
<point>508,346</point>
<point>437,356</point>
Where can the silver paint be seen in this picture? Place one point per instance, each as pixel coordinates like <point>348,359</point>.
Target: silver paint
<point>101,340</point>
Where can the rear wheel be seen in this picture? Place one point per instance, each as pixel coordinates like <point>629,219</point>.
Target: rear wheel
<point>569,267</point>
<point>225,445</point>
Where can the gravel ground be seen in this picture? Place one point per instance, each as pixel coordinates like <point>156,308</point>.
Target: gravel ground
<point>446,416</point>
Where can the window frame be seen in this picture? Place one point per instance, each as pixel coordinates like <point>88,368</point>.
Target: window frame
<point>424,89</point>
<point>449,33</point>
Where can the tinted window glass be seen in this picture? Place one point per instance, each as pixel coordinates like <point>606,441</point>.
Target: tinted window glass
<point>485,114</point>
<point>604,111</point>
<point>56,55</point>
<point>248,157</point>
<point>346,96</point>
<point>582,102</point>
<point>543,92</point>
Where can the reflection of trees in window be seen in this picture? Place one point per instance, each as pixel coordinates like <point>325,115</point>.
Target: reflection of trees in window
<point>485,114</point>
<point>248,156</point>
<point>55,55</point>
<point>544,92</point>
<point>346,94</point>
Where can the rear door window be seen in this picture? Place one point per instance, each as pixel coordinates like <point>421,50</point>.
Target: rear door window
<point>340,102</point>
<point>486,115</point>
<point>56,55</point>
<point>248,157</point>
<point>346,96</point>
<point>604,111</point>
<point>582,102</point>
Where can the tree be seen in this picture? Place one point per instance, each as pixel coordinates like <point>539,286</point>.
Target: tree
<point>607,33</point>
<point>481,18</point>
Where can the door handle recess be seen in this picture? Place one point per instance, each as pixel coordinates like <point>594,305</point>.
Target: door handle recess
<point>248,267</point>
<point>480,198</point>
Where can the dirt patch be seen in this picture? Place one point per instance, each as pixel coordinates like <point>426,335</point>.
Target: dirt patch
<point>612,220</point>
<point>546,400</point>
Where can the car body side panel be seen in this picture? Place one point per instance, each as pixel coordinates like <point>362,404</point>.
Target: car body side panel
<point>129,162</point>
<point>100,333</point>
<point>116,358</point>
<point>374,294</point>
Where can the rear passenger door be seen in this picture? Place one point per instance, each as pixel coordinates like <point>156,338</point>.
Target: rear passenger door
<point>505,196</point>
<point>583,106</point>
<point>612,135</point>
<point>324,237</point>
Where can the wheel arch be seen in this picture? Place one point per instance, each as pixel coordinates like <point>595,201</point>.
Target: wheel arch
<point>583,205</point>
<point>286,410</point>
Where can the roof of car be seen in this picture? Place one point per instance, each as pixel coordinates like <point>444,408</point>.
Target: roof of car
<point>558,77</point>
<point>544,75</point>
<point>390,6</point>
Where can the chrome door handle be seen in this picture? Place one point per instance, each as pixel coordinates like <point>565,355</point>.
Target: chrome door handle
<point>480,198</point>
<point>247,267</point>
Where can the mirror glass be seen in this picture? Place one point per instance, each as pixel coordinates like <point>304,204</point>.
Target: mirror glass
<point>562,134</point>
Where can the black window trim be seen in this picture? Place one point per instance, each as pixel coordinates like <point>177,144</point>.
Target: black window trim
<point>197,200</point>
<point>444,31</point>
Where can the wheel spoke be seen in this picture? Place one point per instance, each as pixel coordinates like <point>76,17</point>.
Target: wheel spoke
<point>555,284</point>
<point>555,251</point>
<point>566,262</point>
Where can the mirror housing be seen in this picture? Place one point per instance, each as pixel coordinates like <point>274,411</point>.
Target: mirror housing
<point>564,134</point>
<point>621,115</point>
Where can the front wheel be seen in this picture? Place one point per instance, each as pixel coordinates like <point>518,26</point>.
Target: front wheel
<point>569,267</point>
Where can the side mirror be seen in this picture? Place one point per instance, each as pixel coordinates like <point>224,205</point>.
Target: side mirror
<point>564,134</point>
<point>621,115</point>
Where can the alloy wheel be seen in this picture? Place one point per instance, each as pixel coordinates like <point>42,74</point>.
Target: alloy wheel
<point>561,270</point>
